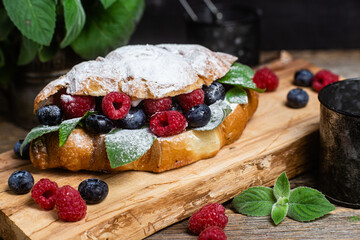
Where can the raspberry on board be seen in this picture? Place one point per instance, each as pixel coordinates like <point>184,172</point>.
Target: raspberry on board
<point>167,123</point>
<point>212,214</point>
<point>152,106</point>
<point>188,100</point>
<point>266,78</point>
<point>212,233</point>
<point>116,105</point>
<point>75,106</point>
<point>323,78</point>
<point>69,204</point>
<point>44,193</point>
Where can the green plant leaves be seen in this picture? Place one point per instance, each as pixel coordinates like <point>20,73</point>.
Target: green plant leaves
<point>74,15</point>
<point>107,3</point>
<point>219,111</point>
<point>255,201</point>
<point>125,146</point>
<point>106,29</point>
<point>37,132</point>
<point>5,25</point>
<point>278,212</point>
<point>35,19</point>
<point>240,75</point>
<point>282,187</point>
<point>237,95</point>
<point>306,204</point>
<point>28,51</point>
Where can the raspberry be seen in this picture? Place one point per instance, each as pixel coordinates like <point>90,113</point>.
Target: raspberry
<point>323,78</point>
<point>265,78</point>
<point>212,214</point>
<point>188,100</point>
<point>71,207</point>
<point>76,106</point>
<point>167,123</point>
<point>44,193</point>
<point>116,105</point>
<point>152,106</point>
<point>212,233</point>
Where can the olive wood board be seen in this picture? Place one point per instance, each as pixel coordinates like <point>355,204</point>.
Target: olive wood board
<point>276,139</point>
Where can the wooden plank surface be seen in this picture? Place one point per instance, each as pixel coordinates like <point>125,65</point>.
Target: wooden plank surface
<point>140,203</point>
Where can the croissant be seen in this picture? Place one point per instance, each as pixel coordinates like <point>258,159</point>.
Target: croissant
<point>142,72</point>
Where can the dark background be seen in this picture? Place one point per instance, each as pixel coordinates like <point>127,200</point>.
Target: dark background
<point>295,24</point>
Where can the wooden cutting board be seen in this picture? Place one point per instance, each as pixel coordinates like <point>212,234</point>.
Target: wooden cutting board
<point>276,139</point>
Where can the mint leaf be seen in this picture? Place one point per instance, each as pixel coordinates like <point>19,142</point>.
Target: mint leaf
<point>125,146</point>
<point>35,19</point>
<point>306,204</point>
<point>255,201</point>
<point>219,111</point>
<point>107,3</point>
<point>237,95</point>
<point>74,16</point>
<point>278,212</point>
<point>37,132</point>
<point>28,51</point>
<point>282,187</point>
<point>106,29</point>
<point>46,53</point>
<point>67,126</point>
<point>240,75</point>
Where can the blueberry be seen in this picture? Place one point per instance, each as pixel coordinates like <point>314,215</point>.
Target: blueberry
<point>97,123</point>
<point>135,119</point>
<point>49,115</point>
<point>303,77</point>
<point>198,115</point>
<point>297,98</point>
<point>93,190</point>
<point>213,93</point>
<point>21,182</point>
<point>25,152</point>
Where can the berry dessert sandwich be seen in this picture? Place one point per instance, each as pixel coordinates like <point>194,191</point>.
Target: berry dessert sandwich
<point>144,107</point>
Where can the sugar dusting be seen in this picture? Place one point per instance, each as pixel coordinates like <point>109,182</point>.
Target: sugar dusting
<point>158,69</point>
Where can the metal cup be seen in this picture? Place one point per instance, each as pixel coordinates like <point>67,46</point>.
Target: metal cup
<point>339,169</point>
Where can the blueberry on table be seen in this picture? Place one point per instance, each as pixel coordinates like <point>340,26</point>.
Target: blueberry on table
<point>198,115</point>
<point>135,119</point>
<point>21,182</point>
<point>98,124</point>
<point>297,98</point>
<point>49,115</point>
<point>25,152</point>
<point>303,77</point>
<point>93,190</point>
<point>213,93</point>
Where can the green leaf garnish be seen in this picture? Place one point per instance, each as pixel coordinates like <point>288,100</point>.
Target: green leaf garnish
<point>107,3</point>
<point>240,75</point>
<point>306,204</point>
<point>278,212</point>
<point>74,16</point>
<point>255,201</point>
<point>301,204</point>
<point>219,111</point>
<point>67,126</point>
<point>237,95</point>
<point>28,51</point>
<point>37,132</point>
<point>125,146</point>
<point>282,187</point>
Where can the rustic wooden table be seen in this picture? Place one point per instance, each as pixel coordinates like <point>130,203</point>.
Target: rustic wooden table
<point>343,223</point>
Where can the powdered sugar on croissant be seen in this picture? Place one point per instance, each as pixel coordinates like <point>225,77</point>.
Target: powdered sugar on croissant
<point>143,71</point>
